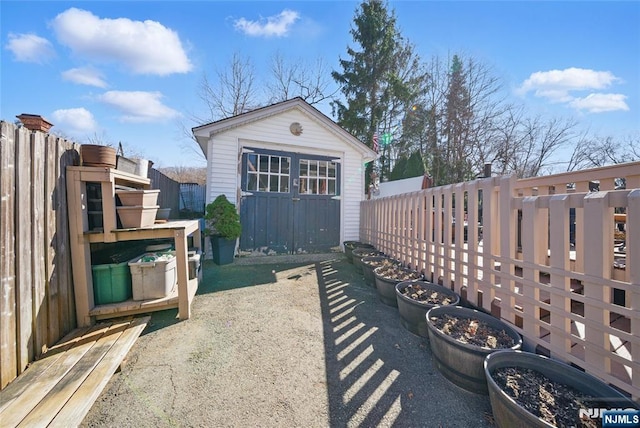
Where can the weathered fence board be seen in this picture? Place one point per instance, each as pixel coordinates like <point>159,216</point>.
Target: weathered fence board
<point>8,339</point>
<point>23,250</point>
<point>169,192</point>
<point>36,298</point>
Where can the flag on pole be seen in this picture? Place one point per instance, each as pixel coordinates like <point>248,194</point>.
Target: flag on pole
<point>375,142</point>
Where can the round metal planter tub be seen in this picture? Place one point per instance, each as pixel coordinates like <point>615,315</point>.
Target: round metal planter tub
<point>463,363</point>
<point>359,253</point>
<point>387,287</point>
<point>349,246</point>
<point>413,312</point>
<point>368,267</point>
<point>507,413</point>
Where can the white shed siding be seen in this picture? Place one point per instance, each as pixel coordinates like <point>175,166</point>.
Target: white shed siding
<point>273,133</point>
<point>223,166</point>
<point>353,185</point>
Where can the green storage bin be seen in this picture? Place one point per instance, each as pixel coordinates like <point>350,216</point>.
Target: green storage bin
<point>111,283</point>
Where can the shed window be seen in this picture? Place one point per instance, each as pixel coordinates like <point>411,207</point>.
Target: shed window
<point>317,177</point>
<point>268,173</point>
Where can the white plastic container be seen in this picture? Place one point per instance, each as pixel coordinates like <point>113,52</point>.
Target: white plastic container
<point>153,276</point>
<point>142,167</point>
<point>194,264</point>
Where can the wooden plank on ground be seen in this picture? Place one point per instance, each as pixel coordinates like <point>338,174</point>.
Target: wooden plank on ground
<point>35,391</point>
<point>57,397</point>
<point>37,368</point>
<point>80,403</point>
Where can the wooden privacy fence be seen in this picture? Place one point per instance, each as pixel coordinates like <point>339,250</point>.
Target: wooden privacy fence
<point>558,261</point>
<point>169,196</point>
<point>36,298</point>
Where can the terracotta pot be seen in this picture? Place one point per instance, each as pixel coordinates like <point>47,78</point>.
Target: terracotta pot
<point>96,155</point>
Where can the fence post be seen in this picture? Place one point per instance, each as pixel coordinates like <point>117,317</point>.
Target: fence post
<point>534,254</point>
<point>598,238</point>
<point>560,284</point>
<point>633,253</point>
<point>507,252</point>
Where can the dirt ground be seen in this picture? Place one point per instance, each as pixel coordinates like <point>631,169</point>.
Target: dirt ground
<point>283,342</point>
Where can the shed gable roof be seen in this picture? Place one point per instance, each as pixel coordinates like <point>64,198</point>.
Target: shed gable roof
<point>203,133</point>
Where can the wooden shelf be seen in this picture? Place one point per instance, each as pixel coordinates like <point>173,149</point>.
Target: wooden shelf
<point>132,307</point>
<point>81,239</point>
<point>159,230</point>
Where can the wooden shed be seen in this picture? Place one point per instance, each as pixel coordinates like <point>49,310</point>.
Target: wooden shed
<point>296,177</point>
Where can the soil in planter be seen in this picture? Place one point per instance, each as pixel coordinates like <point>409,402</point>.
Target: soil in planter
<point>553,402</point>
<point>396,272</point>
<point>427,296</point>
<point>366,252</point>
<point>473,332</point>
<point>383,262</point>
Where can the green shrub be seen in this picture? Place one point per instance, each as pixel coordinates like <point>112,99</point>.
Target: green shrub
<point>222,219</point>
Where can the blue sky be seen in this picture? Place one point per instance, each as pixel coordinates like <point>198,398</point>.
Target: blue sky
<point>130,71</point>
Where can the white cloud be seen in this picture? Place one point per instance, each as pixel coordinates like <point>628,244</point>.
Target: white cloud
<point>559,86</point>
<point>85,76</point>
<point>277,25</point>
<point>30,48</point>
<point>143,47</point>
<point>139,106</point>
<point>598,103</point>
<point>75,121</point>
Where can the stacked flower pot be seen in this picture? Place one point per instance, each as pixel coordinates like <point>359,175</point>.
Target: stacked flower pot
<point>138,207</point>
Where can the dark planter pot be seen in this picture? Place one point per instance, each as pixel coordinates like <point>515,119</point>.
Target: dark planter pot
<point>223,250</point>
<point>463,363</point>
<point>387,286</point>
<point>508,413</point>
<point>368,267</point>
<point>359,253</point>
<point>413,312</point>
<point>349,246</point>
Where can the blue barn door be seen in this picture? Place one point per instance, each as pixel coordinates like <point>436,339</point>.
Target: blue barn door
<point>290,203</point>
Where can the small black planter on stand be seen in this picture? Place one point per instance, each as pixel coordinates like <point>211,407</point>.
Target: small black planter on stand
<point>223,249</point>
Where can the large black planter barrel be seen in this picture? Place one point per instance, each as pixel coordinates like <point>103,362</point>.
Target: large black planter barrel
<point>386,289</point>
<point>368,266</point>
<point>349,246</point>
<point>508,414</point>
<point>359,253</point>
<point>387,286</point>
<point>413,312</point>
<point>462,363</point>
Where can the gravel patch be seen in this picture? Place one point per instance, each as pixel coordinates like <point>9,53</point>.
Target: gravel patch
<point>294,341</point>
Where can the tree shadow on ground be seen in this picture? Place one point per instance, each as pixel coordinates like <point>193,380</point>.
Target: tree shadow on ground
<point>378,373</point>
